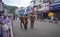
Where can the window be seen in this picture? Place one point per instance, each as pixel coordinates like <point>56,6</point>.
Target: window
<point>34,2</point>
<point>40,7</point>
<point>40,1</point>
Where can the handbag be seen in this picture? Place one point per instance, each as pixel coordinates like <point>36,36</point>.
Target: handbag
<point>5,27</point>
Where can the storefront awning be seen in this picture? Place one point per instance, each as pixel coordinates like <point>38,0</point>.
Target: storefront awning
<point>55,7</point>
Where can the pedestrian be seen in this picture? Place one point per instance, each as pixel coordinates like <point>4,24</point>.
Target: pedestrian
<point>5,26</point>
<point>21,21</point>
<point>32,20</point>
<point>51,16</point>
<point>25,21</point>
<point>14,16</point>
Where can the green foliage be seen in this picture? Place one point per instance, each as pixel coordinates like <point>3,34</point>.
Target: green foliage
<point>12,10</point>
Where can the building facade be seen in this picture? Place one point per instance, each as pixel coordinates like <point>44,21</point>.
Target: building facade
<point>55,7</point>
<point>41,8</point>
<point>20,11</point>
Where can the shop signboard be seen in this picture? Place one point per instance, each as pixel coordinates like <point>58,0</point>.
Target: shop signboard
<point>54,4</point>
<point>45,6</point>
<point>54,1</point>
<point>21,12</point>
<point>55,7</point>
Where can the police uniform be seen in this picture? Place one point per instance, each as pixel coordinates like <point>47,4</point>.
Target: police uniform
<point>32,19</point>
<point>25,22</point>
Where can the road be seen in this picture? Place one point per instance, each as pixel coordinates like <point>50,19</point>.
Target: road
<point>41,29</point>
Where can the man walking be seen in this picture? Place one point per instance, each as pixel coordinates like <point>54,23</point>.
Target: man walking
<point>25,21</point>
<point>21,20</point>
<point>32,19</point>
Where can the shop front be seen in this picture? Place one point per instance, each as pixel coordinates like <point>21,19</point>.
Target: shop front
<point>56,10</point>
<point>45,9</point>
<point>45,14</point>
<point>39,15</point>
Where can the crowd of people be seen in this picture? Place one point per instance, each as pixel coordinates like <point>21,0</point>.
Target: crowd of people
<point>6,20</point>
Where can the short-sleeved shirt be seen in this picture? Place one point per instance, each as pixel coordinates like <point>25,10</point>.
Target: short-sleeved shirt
<point>26,19</point>
<point>32,18</point>
<point>51,14</point>
<point>22,19</point>
<point>6,21</point>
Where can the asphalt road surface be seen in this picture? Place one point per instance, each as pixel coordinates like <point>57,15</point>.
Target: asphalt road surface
<point>41,29</point>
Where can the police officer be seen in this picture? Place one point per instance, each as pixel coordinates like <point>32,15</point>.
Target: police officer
<point>25,21</point>
<point>32,19</point>
<point>21,20</point>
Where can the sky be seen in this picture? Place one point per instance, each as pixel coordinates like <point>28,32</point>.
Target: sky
<point>18,3</point>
